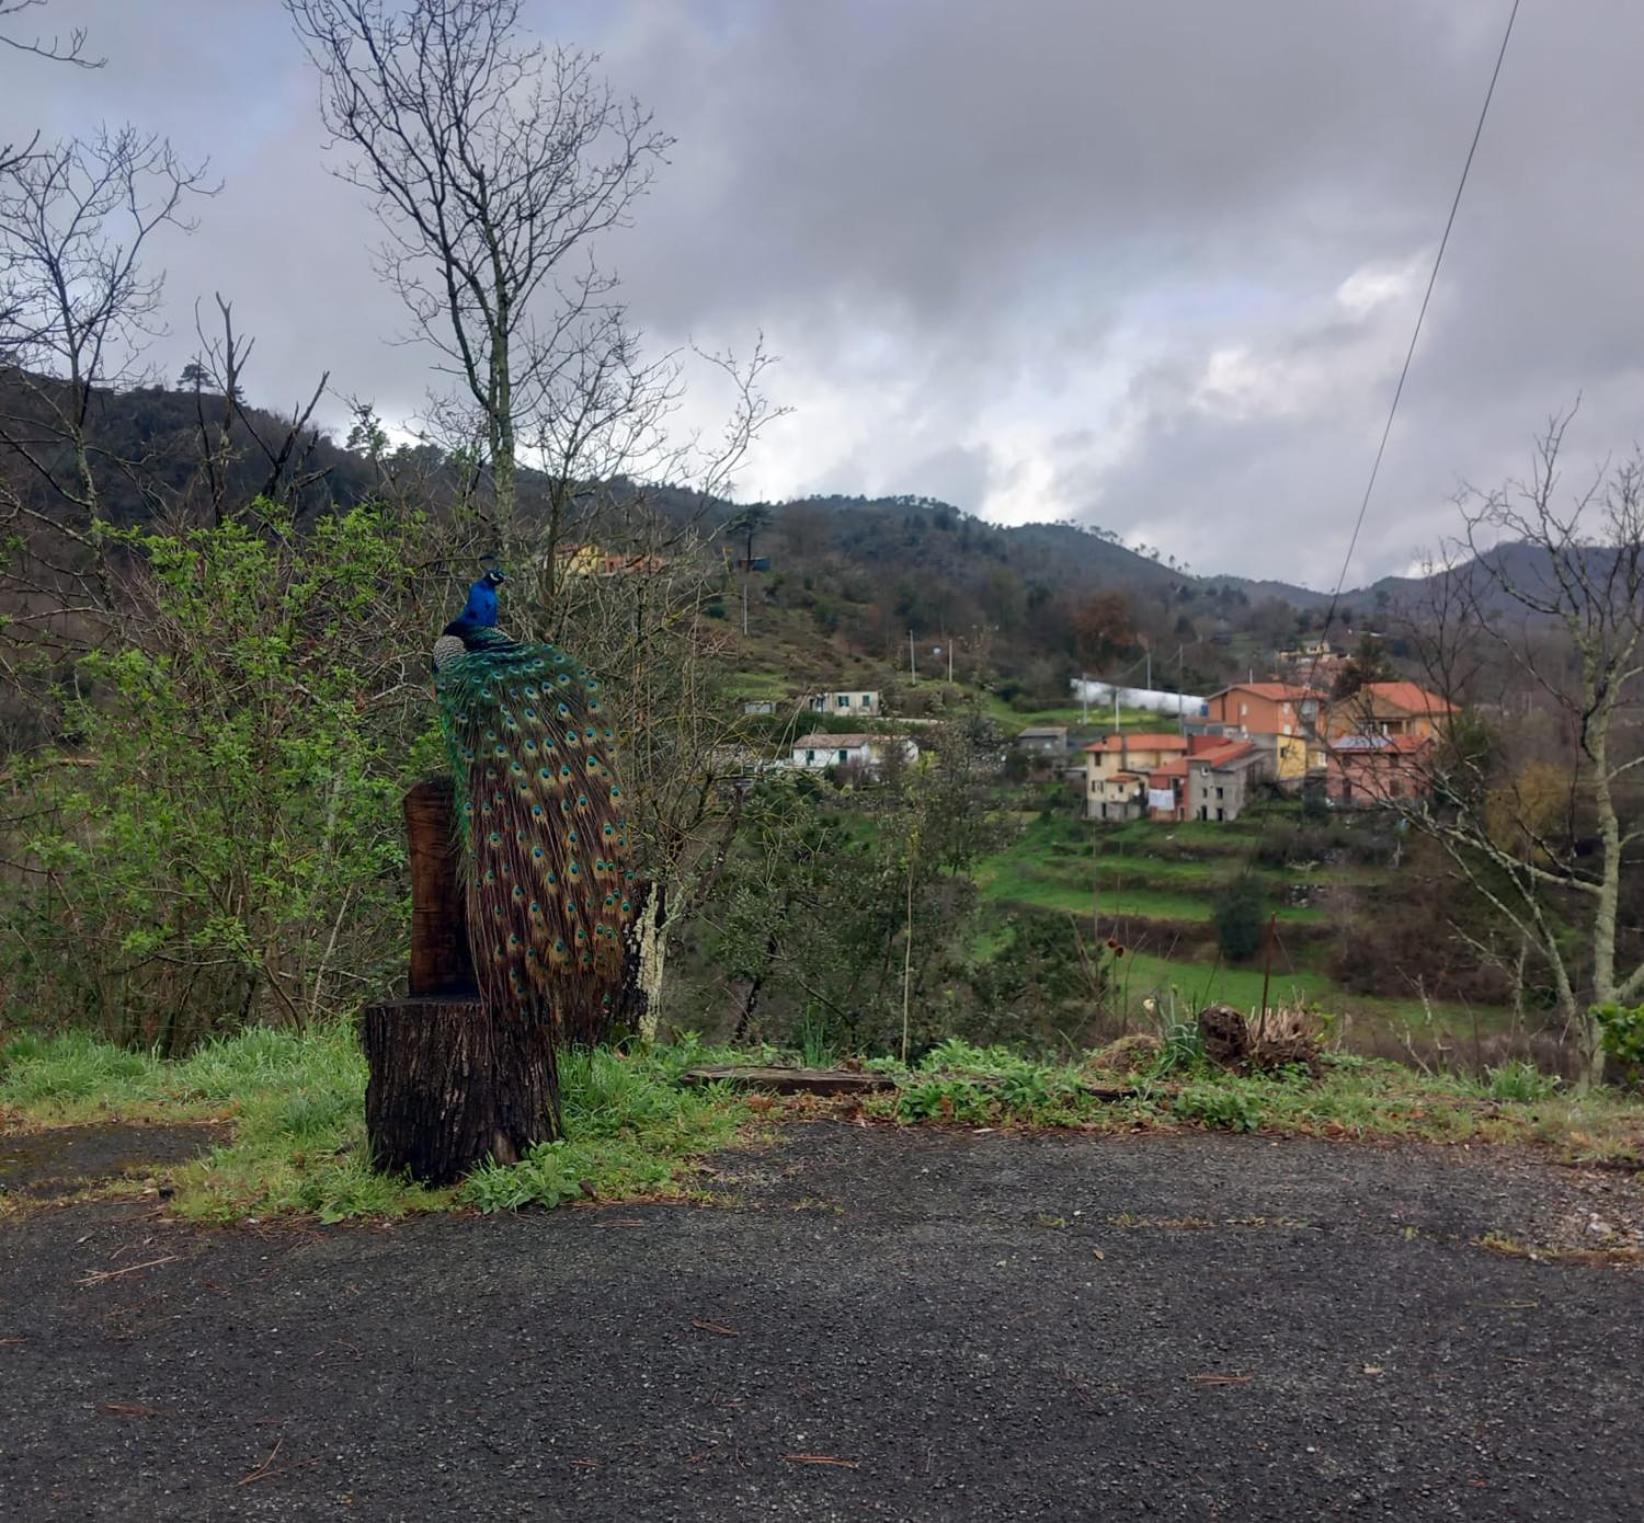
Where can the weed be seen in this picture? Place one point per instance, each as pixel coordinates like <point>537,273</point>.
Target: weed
<point>816,1045</point>
<point>1520,1081</point>
<point>945,1099</point>
<point>1229,1105</point>
<point>1181,1049</point>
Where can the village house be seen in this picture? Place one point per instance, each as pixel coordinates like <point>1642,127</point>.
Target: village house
<point>856,702</point>
<point>592,560</point>
<point>1043,740</point>
<point>817,752</point>
<point>1377,769</point>
<point>1118,770</point>
<point>1173,777</point>
<point>1317,662</point>
<point>1166,788</point>
<point>1221,779</point>
<point>1390,708</point>
<point>1282,718</point>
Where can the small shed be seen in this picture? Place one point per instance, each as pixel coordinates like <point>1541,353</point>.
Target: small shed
<point>1043,740</point>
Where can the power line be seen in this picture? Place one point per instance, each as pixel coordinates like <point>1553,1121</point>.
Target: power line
<point>1409,354</point>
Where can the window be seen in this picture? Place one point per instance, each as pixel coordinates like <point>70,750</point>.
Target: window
<point>810,758</point>
<point>1219,795</point>
<point>844,756</point>
<point>843,700</point>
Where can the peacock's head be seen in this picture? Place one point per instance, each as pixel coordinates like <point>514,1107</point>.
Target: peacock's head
<point>481,608</point>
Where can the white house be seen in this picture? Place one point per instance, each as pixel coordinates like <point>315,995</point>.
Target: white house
<point>813,753</point>
<point>857,701</point>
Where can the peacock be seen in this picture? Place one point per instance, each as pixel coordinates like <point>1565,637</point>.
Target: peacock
<point>540,814</point>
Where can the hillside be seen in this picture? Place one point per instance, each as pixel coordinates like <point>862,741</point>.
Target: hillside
<point>850,579</point>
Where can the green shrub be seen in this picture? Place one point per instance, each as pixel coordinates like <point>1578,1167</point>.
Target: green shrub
<point>1621,1030</point>
<point>222,832</point>
<point>1241,919</point>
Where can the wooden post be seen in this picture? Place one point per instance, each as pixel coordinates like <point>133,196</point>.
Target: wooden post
<point>440,959</point>
<point>451,1082</point>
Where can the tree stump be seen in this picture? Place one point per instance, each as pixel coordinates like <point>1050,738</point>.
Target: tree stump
<point>451,1083</point>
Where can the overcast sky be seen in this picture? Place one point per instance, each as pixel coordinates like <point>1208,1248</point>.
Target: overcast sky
<point>1151,265</point>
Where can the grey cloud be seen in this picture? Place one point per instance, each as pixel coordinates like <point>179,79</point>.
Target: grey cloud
<point>1003,248</point>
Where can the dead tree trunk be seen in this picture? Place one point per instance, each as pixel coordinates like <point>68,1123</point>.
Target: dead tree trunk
<point>451,1082</point>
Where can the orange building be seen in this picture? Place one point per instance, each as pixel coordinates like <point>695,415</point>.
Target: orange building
<point>1283,716</point>
<point>1263,708</point>
<point>1390,708</point>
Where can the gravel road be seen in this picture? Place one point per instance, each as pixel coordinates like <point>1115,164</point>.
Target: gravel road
<point>871,1324</point>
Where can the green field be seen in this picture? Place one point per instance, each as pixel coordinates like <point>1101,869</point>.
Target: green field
<point>1063,886</point>
<point>1011,719</point>
<point>1169,876</point>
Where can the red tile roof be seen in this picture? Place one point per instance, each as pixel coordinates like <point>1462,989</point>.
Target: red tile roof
<point>1279,692</point>
<point>1222,755</point>
<point>1177,768</point>
<point>1139,743</point>
<point>1412,697</point>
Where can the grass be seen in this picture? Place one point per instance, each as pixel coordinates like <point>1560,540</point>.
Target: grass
<point>634,1131</point>
<point>772,685</point>
<point>1059,887</point>
<point>1143,974</point>
<point>297,1102</point>
<point>1353,1097</point>
<point>1012,719</point>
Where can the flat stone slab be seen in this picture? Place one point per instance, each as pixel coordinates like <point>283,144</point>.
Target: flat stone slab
<point>62,1159</point>
<point>790,1081</point>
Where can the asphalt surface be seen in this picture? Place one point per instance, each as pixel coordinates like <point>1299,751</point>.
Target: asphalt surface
<point>872,1325</point>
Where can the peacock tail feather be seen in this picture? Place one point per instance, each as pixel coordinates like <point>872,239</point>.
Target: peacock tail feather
<point>541,816</point>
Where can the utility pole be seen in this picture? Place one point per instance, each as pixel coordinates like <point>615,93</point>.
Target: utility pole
<point>1181,679</point>
<point>1084,695</point>
<point>913,671</point>
<point>950,662</point>
<point>1148,681</point>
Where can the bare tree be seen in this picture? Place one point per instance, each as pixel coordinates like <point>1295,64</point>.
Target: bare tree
<point>1553,596</point>
<point>491,163</point>
<point>59,49</point>
<point>217,368</point>
<point>77,308</point>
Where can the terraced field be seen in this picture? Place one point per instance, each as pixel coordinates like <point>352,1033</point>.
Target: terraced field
<point>1155,887</point>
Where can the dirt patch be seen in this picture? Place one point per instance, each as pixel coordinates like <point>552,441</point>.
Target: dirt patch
<point>65,1159</point>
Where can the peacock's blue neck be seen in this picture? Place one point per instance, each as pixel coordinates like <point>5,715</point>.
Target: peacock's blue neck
<point>480,611</point>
